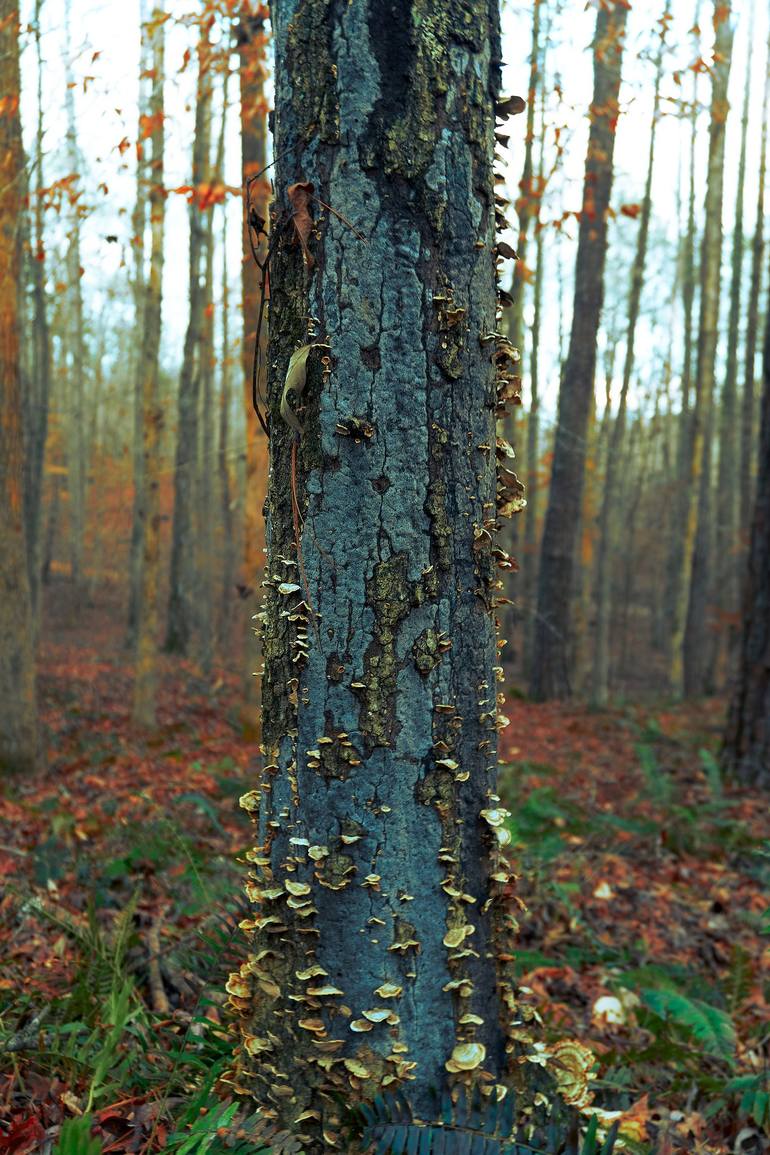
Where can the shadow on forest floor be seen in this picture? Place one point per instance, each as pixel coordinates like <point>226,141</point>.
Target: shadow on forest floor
<point>645,877</point>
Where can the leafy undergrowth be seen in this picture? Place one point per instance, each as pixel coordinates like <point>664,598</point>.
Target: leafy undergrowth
<point>645,878</point>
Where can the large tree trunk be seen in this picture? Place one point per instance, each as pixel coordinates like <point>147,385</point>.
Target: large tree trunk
<point>609,508</point>
<point>18,711</point>
<point>145,685</point>
<point>550,668</point>
<point>747,744</point>
<point>698,552</point>
<point>373,961</point>
<point>182,624</point>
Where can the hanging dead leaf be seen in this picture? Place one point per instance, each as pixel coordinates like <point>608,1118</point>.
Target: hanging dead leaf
<point>510,106</point>
<point>300,195</point>
<point>504,250</point>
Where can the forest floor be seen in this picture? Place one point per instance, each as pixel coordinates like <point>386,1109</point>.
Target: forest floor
<point>645,877</point>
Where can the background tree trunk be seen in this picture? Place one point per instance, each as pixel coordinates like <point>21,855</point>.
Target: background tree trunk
<point>675,595</point>
<point>724,575</point>
<point>699,524</point>
<point>747,742</point>
<point>38,392</point>
<point>607,518</point>
<point>19,744</point>
<point>550,670</point>
<point>379,695</point>
<point>752,324</point>
<point>145,684</point>
<point>138,243</point>
<point>182,623</point>
<point>77,464</point>
<point>251,50</point>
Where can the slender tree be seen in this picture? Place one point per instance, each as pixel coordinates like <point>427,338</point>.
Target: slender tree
<point>725,591</point>
<point>138,289</point>
<point>529,566</point>
<point>182,612</point>
<point>373,965</point>
<point>527,201</point>
<point>700,528</point>
<point>224,440</point>
<point>37,394</point>
<point>747,742</point>
<point>18,711</point>
<point>676,582</point>
<point>752,321</point>
<point>251,40</point>
<point>609,508</point>
<point>206,474</point>
<point>145,684</point>
<point>550,668</point>
<point>77,448</point>
<point>223,459</point>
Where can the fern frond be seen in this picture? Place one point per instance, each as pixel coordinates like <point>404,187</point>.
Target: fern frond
<point>712,1027</point>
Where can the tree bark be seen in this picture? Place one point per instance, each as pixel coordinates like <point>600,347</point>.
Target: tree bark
<point>182,623</point>
<point>752,324</point>
<point>600,680</point>
<point>19,743</point>
<point>747,742</point>
<point>77,448</point>
<point>724,580</point>
<point>529,561</point>
<point>206,474</point>
<point>138,286</point>
<point>550,672</point>
<point>229,544</point>
<point>38,394</point>
<point>375,921</point>
<point>146,679</point>
<point>528,201</point>
<point>675,596</point>
<point>699,525</point>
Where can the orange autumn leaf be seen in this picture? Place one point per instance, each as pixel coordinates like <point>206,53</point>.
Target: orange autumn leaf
<point>148,124</point>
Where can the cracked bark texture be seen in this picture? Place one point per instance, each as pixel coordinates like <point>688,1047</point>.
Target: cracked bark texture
<point>18,713</point>
<point>379,692</point>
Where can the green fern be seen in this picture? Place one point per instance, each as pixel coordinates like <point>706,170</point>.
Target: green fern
<point>754,1091</point>
<point>710,1026</point>
<point>469,1126</point>
<point>75,1138</point>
